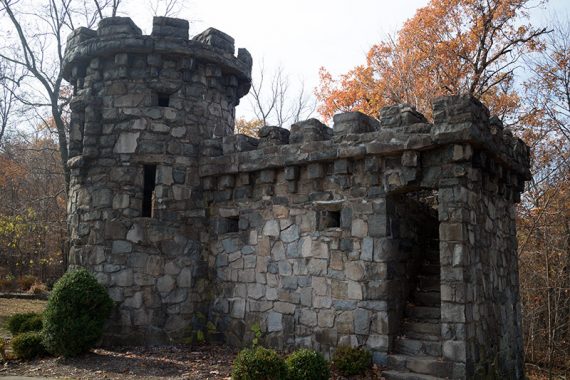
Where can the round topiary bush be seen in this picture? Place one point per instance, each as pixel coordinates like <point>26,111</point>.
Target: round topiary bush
<point>24,322</point>
<point>28,345</point>
<point>307,364</point>
<point>76,311</point>
<point>351,361</point>
<point>259,364</point>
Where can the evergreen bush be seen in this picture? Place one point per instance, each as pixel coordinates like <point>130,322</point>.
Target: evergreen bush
<point>259,364</point>
<point>28,345</point>
<point>307,364</point>
<point>76,312</point>
<point>351,361</point>
<point>24,322</point>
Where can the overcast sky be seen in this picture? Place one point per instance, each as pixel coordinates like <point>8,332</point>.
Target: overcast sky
<point>303,35</point>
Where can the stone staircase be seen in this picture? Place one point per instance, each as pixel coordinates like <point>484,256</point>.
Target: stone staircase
<point>417,351</point>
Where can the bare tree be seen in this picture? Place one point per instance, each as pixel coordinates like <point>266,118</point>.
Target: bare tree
<point>40,36</point>
<point>10,78</point>
<point>112,5</point>
<point>165,8</point>
<point>272,100</point>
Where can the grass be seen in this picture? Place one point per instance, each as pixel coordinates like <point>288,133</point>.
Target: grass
<point>11,306</point>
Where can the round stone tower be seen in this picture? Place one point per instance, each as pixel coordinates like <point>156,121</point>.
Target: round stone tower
<point>143,110</point>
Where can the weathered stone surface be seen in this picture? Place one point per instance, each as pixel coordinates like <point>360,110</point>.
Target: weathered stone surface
<point>379,234</point>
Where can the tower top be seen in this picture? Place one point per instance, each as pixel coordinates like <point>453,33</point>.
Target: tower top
<point>117,35</point>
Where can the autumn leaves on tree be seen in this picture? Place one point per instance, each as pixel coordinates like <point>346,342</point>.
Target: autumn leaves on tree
<point>448,47</point>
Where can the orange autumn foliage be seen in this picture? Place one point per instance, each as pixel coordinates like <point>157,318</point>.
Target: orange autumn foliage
<point>448,47</point>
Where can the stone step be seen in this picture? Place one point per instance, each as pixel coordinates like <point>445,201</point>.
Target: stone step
<point>419,313</point>
<point>417,347</point>
<point>422,298</point>
<point>428,282</point>
<point>397,375</point>
<point>426,365</point>
<point>425,328</point>
<point>421,336</point>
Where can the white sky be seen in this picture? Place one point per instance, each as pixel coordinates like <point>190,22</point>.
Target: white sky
<point>301,36</point>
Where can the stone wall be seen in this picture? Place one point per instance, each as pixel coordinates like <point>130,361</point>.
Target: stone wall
<point>142,107</point>
<point>320,237</point>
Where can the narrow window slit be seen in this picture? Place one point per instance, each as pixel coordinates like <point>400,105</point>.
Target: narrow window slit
<point>148,191</point>
<point>163,100</point>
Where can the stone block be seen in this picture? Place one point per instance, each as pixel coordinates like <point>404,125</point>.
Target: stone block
<point>361,321</point>
<point>121,246</point>
<point>400,115</point>
<point>271,228</point>
<point>170,27</point>
<point>378,342</point>
<point>271,136</point>
<point>122,278</point>
<point>118,26</point>
<point>344,322</point>
<point>325,318</point>
<point>165,284</point>
<point>284,307</point>
<point>291,173</point>
<point>354,122</point>
<point>451,312</point>
<point>315,171</point>
<point>308,318</point>
<point>359,228</point>
<point>217,39</point>
<point>339,289</point>
<point>184,279</point>
<point>354,270</point>
<point>454,351</point>
<point>367,250</point>
<point>290,234</point>
<point>274,321</point>
<point>354,290</point>
<point>237,308</point>
<point>309,130</point>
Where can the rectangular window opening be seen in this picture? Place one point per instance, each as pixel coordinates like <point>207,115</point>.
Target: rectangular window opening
<point>329,219</point>
<point>148,191</point>
<point>229,225</point>
<point>163,100</point>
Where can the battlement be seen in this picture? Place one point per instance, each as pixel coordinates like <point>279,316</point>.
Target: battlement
<point>120,36</point>
<point>459,122</point>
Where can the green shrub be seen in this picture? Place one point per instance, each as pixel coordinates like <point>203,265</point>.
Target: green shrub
<point>28,345</point>
<point>259,364</point>
<point>76,311</point>
<point>351,360</point>
<point>307,364</point>
<point>24,322</point>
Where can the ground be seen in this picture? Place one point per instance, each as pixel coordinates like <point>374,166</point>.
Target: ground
<point>11,306</point>
<point>161,362</point>
<point>135,363</point>
<point>126,363</point>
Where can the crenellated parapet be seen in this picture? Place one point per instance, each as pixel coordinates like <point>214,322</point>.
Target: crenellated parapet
<point>462,135</point>
<point>120,35</point>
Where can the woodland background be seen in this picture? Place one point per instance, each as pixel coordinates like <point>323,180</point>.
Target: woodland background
<point>487,48</point>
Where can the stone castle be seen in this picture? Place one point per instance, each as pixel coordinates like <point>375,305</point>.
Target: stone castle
<point>394,234</point>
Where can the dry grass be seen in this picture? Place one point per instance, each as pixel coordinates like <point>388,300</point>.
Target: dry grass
<point>11,306</point>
